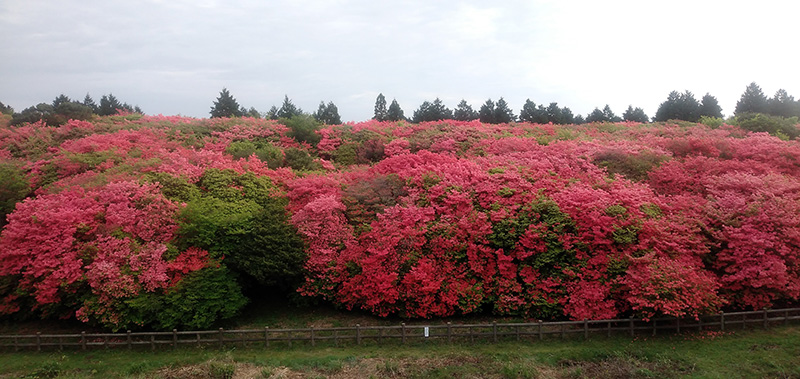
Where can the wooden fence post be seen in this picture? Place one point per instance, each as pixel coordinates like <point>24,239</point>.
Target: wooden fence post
<point>585,329</point>
<point>153,342</point>
<point>39,341</point>
<point>540,330</point>
<point>722,320</point>
<point>129,340</point>
<point>494,331</point>
<point>83,340</point>
<point>313,343</point>
<point>174,339</point>
<point>766,319</point>
<point>449,333</point>
<point>358,334</point>
<point>266,336</point>
<point>630,325</point>
<point>403,331</point>
<point>289,337</point>
<point>220,337</point>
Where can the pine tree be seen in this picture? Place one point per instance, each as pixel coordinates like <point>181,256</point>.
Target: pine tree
<point>596,116</point>
<point>554,114</point>
<point>567,116</point>
<point>6,109</point>
<point>61,99</point>
<point>272,114</point>
<point>89,102</point>
<point>753,100</point>
<point>486,113</point>
<point>528,112</point>
<point>464,112</point>
<point>225,106</point>
<point>502,113</point>
<point>609,115</point>
<point>252,112</point>
<point>327,114</point>
<point>395,113</point>
<point>380,108</point>
<point>288,109</point>
<point>782,104</point>
<point>709,107</point>
<point>109,105</point>
<point>679,106</point>
<point>635,115</point>
<point>434,111</point>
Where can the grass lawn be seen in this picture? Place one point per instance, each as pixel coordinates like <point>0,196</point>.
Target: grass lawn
<point>753,353</point>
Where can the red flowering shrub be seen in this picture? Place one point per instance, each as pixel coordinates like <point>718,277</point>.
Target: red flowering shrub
<point>93,250</point>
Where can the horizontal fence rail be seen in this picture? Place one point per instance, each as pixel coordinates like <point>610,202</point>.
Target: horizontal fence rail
<point>403,333</point>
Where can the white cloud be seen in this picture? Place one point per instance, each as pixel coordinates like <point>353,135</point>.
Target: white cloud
<point>174,56</point>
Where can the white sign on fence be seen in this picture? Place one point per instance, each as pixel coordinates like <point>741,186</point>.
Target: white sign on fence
<point>426,332</point>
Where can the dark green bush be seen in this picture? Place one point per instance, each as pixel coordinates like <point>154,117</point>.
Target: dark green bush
<point>783,127</point>
<point>241,218</point>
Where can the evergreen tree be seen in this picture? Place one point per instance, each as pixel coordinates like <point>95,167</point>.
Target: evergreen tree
<point>486,113</point>
<point>679,106</point>
<point>464,112</point>
<point>380,108</point>
<point>709,107</point>
<point>609,115</point>
<point>225,106</point>
<point>434,111</point>
<point>579,120</point>
<point>328,114</point>
<point>528,112</point>
<point>272,114</point>
<point>109,105</point>
<point>753,100</point>
<point>596,116</point>
<point>635,115</point>
<point>395,113</point>
<point>89,102</point>
<point>502,113</point>
<point>69,111</point>
<point>783,104</point>
<point>61,99</point>
<point>6,109</point>
<point>35,113</point>
<point>567,116</point>
<point>554,114</point>
<point>288,109</point>
<point>252,112</point>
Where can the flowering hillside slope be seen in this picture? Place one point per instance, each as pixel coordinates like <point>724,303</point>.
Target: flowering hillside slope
<point>161,221</point>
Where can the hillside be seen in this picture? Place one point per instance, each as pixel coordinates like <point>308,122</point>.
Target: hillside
<point>161,222</point>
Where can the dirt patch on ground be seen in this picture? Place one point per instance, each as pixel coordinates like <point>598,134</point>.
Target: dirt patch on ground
<point>471,367</point>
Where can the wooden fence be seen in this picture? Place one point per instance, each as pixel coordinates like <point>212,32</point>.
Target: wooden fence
<point>400,333</point>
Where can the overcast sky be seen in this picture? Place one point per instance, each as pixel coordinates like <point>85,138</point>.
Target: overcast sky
<point>174,56</point>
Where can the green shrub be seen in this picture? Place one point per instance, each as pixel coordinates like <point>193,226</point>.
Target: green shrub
<point>298,159</point>
<point>303,128</point>
<point>711,122</point>
<point>265,151</point>
<point>14,188</point>
<point>635,167</point>
<point>242,218</point>
<point>199,300</point>
<point>774,125</point>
